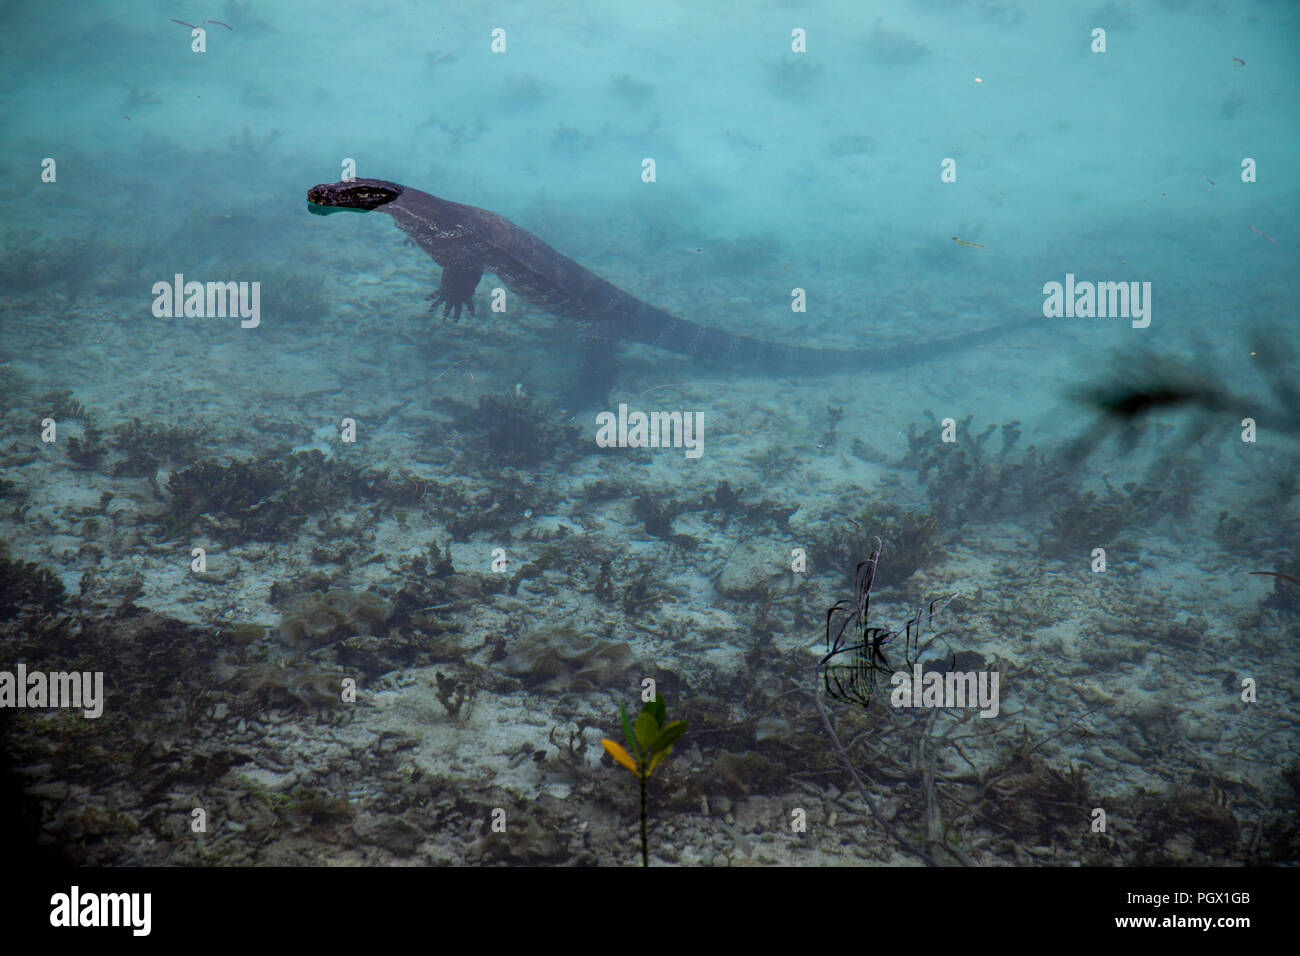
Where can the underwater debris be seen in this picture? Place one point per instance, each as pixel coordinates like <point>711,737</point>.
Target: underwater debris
<point>147,446</point>
<point>306,806</point>
<point>88,450</point>
<point>515,429</point>
<point>562,660</point>
<point>849,670</point>
<point>314,620</point>
<point>1174,828</point>
<point>26,586</point>
<point>642,595</point>
<point>1032,802</point>
<point>63,405</point>
<point>1083,521</point>
<point>725,504</point>
<point>603,586</point>
<point>268,498</point>
<point>292,681</point>
<point>495,504</point>
<point>454,695</point>
<point>912,537</point>
<point>775,463</point>
<point>969,481</point>
<point>523,841</point>
<point>658,515</point>
<point>742,773</point>
<point>242,635</point>
<point>32,262</point>
<point>852,679</point>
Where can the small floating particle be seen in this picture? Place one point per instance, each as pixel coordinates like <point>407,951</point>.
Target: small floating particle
<point>1240,61</point>
<point>1264,234</point>
<point>979,79</point>
<point>965,243</point>
<point>1210,181</point>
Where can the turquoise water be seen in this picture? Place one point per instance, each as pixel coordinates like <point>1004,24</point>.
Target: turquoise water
<point>421,516</point>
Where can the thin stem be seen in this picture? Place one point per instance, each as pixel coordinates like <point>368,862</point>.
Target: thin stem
<point>871,804</point>
<point>645,844</point>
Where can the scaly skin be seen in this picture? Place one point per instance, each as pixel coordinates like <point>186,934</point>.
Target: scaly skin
<point>467,241</point>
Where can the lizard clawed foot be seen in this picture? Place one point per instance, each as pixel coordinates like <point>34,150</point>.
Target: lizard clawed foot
<point>451,306</point>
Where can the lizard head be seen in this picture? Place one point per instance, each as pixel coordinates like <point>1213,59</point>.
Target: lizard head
<point>358,194</point>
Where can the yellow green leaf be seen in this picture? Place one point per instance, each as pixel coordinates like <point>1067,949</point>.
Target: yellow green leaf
<point>668,735</point>
<point>657,759</point>
<point>646,730</point>
<point>627,731</point>
<point>621,755</point>
<point>658,709</point>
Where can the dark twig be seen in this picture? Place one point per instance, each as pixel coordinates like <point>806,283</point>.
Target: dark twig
<point>885,825</point>
<point>855,682</point>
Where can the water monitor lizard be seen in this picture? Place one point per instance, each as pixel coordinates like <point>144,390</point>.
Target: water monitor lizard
<point>466,242</point>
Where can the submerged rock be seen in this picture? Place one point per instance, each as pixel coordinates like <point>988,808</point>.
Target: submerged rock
<point>758,567</point>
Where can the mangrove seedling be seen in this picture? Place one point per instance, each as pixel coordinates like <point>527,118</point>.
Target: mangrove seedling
<point>647,745</point>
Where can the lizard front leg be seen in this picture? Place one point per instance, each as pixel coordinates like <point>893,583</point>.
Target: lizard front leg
<point>456,290</point>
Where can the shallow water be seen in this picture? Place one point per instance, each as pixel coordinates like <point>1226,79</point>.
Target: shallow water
<point>356,578</point>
